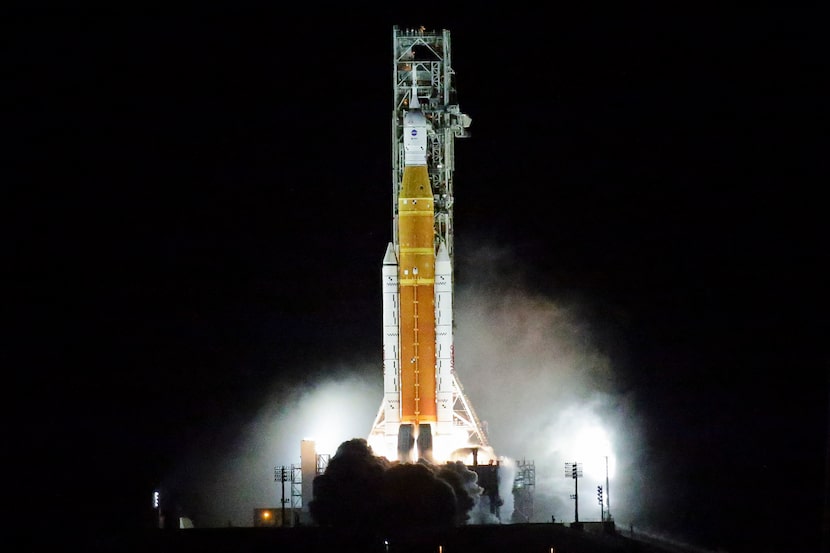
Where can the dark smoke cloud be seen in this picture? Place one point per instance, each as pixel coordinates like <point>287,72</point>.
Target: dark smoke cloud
<point>464,483</point>
<point>415,493</point>
<point>360,490</point>
<point>348,493</point>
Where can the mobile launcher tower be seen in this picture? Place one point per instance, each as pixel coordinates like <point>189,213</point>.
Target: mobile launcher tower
<point>424,413</point>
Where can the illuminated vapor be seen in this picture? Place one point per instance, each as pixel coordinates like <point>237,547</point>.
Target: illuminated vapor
<point>545,391</point>
<point>542,389</point>
<point>226,481</point>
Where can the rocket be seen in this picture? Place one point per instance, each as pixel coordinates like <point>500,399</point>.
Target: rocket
<point>417,310</point>
<point>424,413</point>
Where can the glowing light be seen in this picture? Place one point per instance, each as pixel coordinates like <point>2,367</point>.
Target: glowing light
<point>446,448</point>
<point>329,431</point>
<point>591,447</point>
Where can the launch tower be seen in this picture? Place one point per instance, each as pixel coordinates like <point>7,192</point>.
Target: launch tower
<point>424,404</point>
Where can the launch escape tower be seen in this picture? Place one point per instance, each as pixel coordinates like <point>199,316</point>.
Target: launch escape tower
<point>422,80</point>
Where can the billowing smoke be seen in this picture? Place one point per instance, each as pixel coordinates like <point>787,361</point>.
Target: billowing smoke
<point>537,378</point>
<point>230,472</point>
<point>464,483</point>
<point>349,493</point>
<point>544,384</point>
<point>364,491</point>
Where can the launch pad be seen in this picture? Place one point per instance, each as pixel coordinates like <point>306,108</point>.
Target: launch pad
<point>426,430</point>
<point>424,414</point>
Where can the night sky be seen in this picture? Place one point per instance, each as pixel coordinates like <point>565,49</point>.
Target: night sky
<point>197,206</point>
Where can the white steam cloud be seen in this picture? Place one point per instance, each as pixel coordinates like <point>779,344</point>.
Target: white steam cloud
<point>228,485</point>
<point>534,374</point>
<point>531,371</point>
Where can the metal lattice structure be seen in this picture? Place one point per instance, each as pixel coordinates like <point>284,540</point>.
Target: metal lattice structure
<point>322,462</point>
<point>296,487</point>
<point>425,57</point>
<point>297,479</point>
<point>524,486</point>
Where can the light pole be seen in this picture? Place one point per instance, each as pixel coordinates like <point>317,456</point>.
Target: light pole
<point>157,506</point>
<point>574,470</point>
<point>280,475</point>
<point>607,492</point>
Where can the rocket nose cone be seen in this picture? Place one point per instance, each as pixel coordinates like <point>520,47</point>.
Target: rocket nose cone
<point>389,257</point>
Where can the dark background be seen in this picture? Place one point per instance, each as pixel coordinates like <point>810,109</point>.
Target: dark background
<point>195,201</point>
